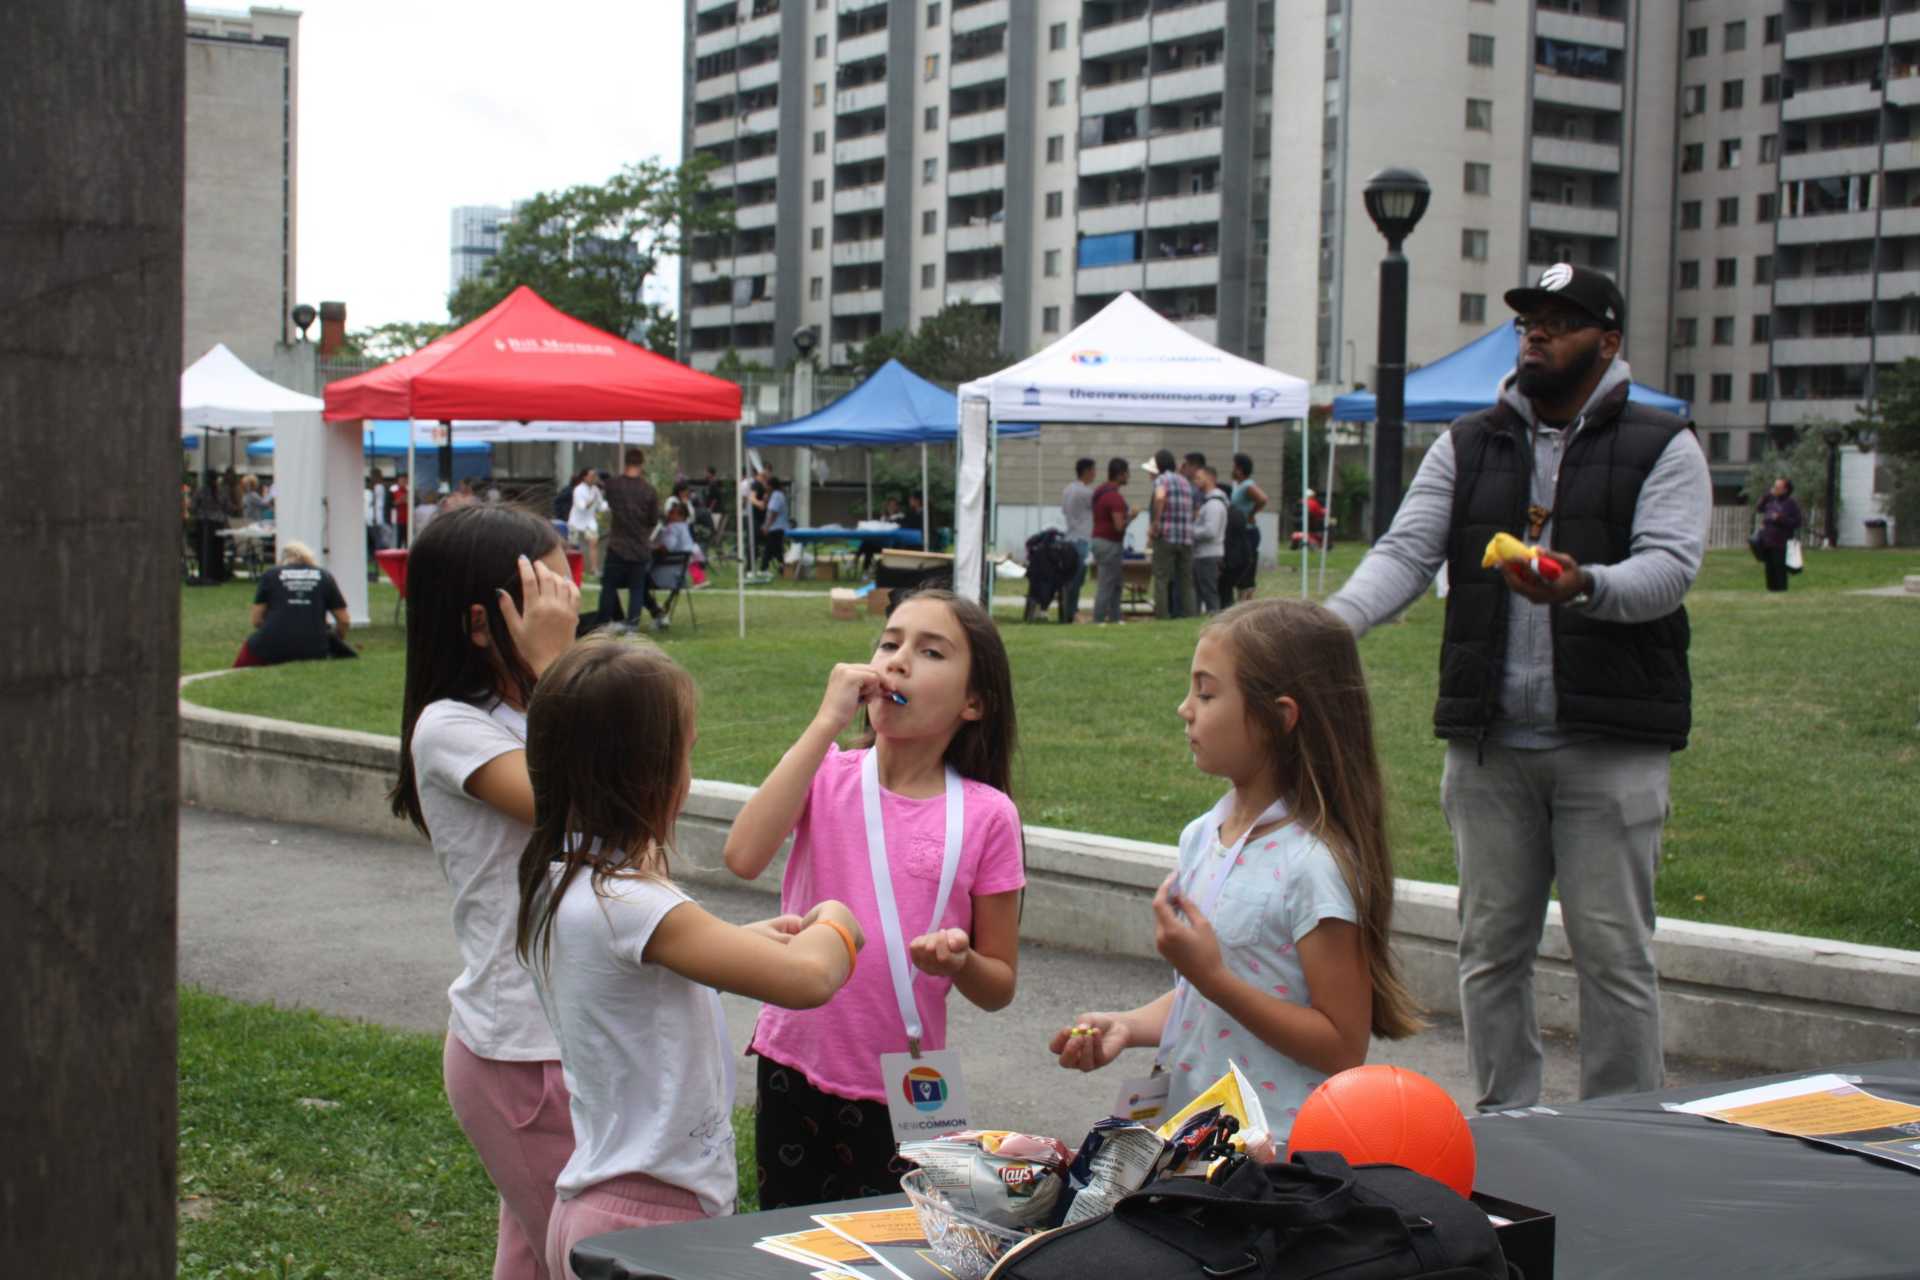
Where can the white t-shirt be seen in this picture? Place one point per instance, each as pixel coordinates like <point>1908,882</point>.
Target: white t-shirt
<point>496,1012</point>
<point>1283,885</point>
<point>587,502</point>
<point>645,1051</point>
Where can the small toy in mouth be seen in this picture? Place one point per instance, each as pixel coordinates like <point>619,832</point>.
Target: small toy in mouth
<point>897,698</point>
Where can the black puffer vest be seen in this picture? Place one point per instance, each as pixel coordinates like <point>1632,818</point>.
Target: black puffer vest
<point>1619,680</point>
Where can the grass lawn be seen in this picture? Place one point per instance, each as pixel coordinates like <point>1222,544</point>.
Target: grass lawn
<point>1796,808</point>
<point>312,1147</point>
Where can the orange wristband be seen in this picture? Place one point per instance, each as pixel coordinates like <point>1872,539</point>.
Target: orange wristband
<point>853,952</point>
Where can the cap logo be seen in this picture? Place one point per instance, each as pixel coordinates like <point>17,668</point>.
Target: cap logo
<point>1557,276</point>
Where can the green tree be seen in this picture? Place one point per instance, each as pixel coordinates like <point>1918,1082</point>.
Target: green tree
<point>957,344</point>
<point>394,339</point>
<point>1804,462</point>
<point>867,357</point>
<point>1894,423</point>
<point>591,250</point>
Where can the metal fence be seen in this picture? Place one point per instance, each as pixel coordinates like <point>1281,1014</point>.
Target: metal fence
<point>1729,527</point>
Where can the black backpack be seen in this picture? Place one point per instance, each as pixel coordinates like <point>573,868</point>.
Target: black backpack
<point>1317,1216</point>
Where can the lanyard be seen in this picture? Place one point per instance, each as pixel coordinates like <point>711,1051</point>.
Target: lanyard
<point>1205,900</point>
<point>883,884</point>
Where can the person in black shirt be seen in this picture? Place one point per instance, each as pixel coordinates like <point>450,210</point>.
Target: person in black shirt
<point>290,611</point>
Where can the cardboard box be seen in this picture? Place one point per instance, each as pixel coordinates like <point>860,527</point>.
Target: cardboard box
<point>825,571</point>
<point>843,604</point>
<point>1526,1234</point>
<point>877,601</point>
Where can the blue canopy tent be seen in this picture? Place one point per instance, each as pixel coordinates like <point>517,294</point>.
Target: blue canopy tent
<point>1468,380</point>
<point>895,406</point>
<point>387,438</point>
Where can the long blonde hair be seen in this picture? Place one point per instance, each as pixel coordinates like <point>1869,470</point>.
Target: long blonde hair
<point>1325,766</point>
<point>294,551</point>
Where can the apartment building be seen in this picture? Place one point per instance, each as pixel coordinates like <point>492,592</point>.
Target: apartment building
<point>476,232</point>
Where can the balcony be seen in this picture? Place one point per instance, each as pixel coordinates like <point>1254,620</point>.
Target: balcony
<point>765,120</point>
<point>764,27</point>
<point>1573,219</point>
<point>707,6</point>
<point>865,98</point>
<point>1190,20</point>
<point>979,17</point>
<point>1196,82</point>
<point>1896,346</point>
<point>977,235</point>
<point>1902,155</point>
<point>1108,218</point>
<point>720,86</point>
<point>1205,328</point>
<point>853,253</point>
<point>1567,153</point>
<point>1114,157</point>
<point>715,41</point>
<point>1608,33</point>
<point>1824,228</point>
<point>970,182</point>
<point>983,292</point>
<point>761,76</point>
<point>759,169</point>
<point>1900,222</point>
<point>977,124</point>
<point>753,264</point>
<point>706,271</point>
<point>857,6</point>
<point>1576,91</point>
<point>859,48</point>
<point>749,217</point>
<point>1824,42</point>
<point>1117,37</point>
<point>860,199</point>
<point>872,146</point>
<point>1184,146</point>
<point>1903,91</point>
<point>1181,211</point>
<point>716,131</point>
<point>720,178</point>
<point>1113,279</point>
<point>1813,291</point>
<point>973,71</point>
<point>1906,27</point>
<point>1792,351</point>
<point>1183,273</point>
<point>840,354</point>
<point>1786,413</point>
<point>709,317</point>
<point>760,312</point>
<point>1829,164</point>
<point>858,302</point>
<point>1126,95</point>
<point>1841,100</point>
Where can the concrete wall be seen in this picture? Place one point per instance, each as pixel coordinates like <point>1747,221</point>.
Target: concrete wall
<point>1773,1000</point>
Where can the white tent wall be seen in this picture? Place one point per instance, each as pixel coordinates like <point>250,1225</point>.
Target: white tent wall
<point>318,469</point>
<point>970,486</point>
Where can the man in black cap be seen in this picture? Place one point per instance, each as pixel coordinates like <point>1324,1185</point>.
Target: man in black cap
<point>1561,699</point>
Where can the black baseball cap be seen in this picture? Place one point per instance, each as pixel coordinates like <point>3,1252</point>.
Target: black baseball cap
<point>1576,287</point>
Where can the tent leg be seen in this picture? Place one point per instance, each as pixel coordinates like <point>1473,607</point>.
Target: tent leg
<point>413,486</point>
<point>926,504</point>
<point>1326,529</point>
<point>868,455</point>
<point>1306,551</point>
<point>993,504</point>
<point>740,531</point>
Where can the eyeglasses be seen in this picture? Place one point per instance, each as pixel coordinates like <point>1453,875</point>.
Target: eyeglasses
<point>1557,326</point>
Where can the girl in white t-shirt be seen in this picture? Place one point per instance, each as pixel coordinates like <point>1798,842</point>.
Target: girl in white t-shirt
<point>626,964</point>
<point>490,605</point>
<point>1278,918</point>
<point>583,521</point>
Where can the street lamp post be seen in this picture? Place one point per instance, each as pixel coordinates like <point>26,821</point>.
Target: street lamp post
<point>1395,199</point>
<point>1833,436</point>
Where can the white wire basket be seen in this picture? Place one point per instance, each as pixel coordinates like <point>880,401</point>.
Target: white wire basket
<point>965,1245</point>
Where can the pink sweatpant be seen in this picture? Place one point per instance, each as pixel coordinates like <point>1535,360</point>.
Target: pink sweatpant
<point>515,1115</point>
<point>632,1200</point>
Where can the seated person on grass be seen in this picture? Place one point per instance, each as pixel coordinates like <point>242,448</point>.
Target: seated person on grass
<point>673,536</point>
<point>290,610</point>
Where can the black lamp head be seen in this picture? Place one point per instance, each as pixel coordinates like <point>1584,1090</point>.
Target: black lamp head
<point>303,318</point>
<point>805,340</point>
<point>1395,200</point>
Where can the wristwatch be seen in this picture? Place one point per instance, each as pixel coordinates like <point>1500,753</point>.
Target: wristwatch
<point>1584,596</point>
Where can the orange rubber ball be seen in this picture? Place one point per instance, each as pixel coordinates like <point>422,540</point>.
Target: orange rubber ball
<point>1388,1115</point>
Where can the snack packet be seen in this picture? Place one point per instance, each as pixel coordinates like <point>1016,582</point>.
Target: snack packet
<point>1234,1095</point>
<point>1115,1161</point>
<point>1012,1180</point>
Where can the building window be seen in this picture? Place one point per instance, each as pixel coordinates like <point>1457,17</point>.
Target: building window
<point>1763,268</point>
<point>1726,272</point>
<point>1049,319</point>
<point>1693,100</point>
<point>930,120</point>
<point>1056,148</point>
<point>1763,329</point>
<point>1720,389</point>
<point>1733,94</point>
<point>1734,38</point>
<point>1056,93</point>
<point>929,221</point>
<point>1729,153</point>
<point>929,170</point>
<point>819,190</point>
<point>1690,273</point>
<point>1763,206</point>
<point>1480,114</point>
<point>1727,212</point>
<point>1769,147</point>
<point>1772,29</point>
<point>1473,308</point>
<point>926,275</point>
<point>820,94</point>
<point>932,71</point>
<point>1057,36</point>
<point>1686,333</point>
<point>1770,87</point>
<point>1683,386</point>
<point>933,15</point>
<point>1689,215</point>
<point>816,286</point>
<point>1696,42</point>
<point>1480,51</point>
<point>1056,204</point>
<point>1479,178</point>
<point>1473,244</point>
<point>1723,331</point>
<point>818,238</point>
<point>819,142</point>
<point>1718,445</point>
<point>819,46</point>
<point>1693,157</point>
<point>1757,392</point>
<point>1050,262</point>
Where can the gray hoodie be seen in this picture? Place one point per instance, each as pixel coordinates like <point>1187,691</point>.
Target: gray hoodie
<point>1669,539</point>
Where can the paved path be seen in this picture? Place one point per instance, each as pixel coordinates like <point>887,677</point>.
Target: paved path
<point>357,926</point>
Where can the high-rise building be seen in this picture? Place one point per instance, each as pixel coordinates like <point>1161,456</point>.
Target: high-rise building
<point>242,181</point>
<point>476,238</point>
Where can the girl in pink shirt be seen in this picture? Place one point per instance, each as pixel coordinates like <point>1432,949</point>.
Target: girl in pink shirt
<point>938,696</point>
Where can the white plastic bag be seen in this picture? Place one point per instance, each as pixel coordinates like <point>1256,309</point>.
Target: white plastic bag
<point>1796,559</point>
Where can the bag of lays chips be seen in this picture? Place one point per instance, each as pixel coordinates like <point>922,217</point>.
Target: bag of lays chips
<point>1009,1179</point>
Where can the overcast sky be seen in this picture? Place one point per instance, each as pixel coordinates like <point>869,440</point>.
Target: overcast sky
<point>411,107</point>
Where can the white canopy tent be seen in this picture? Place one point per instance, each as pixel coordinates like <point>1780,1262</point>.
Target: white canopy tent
<point>219,390</point>
<point>1127,364</point>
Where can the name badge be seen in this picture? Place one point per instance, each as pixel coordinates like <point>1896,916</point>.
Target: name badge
<point>926,1096</point>
<point>1143,1099</point>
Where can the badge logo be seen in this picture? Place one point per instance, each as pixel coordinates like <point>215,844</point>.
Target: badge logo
<point>926,1089</point>
<point>1557,276</point>
<point>1261,397</point>
<point>1089,356</point>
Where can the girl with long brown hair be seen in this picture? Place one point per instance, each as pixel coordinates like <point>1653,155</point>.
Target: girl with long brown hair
<point>915,830</point>
<point>1277,921</point>
<point>626,965</point>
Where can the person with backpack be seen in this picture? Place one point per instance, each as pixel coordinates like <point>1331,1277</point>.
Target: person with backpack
<point>1209,538</point>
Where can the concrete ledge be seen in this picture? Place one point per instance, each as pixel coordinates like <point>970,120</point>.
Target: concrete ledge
<point>1774,1000</point>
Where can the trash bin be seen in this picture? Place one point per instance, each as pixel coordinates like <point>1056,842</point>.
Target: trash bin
<point>1876,533</point>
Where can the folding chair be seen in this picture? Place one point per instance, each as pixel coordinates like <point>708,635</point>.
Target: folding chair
<point>670,572</point>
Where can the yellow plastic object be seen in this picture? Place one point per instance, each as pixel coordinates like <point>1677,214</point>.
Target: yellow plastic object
<point>1506,548</point>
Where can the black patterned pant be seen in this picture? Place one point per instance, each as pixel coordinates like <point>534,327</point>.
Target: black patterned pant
<point>813,1146</point>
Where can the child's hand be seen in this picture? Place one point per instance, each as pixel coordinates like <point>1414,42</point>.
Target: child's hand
<point>838,912</point>
<point>850,685</point>
<point>780,929</point>
<point>943,953</point>
<point>1094,1040</point>
<point>1183,936</point>
<point>543,623</point>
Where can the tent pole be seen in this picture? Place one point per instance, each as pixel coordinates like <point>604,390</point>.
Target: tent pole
<point>926,503</point>
<point>1235,424</point>
<point>1326,527</point>
<point>413,485</point>
<point>993,503</point>
<point>740,529</point>
<point>867,453</point>
<point>1306,551</point>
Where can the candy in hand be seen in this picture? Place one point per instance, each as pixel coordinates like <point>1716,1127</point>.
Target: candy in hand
<point>1505,549</point>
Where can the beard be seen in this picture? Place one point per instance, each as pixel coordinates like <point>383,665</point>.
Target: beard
<point>1553,385</point>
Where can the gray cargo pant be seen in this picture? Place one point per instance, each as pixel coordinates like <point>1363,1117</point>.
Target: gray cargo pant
<point>1588,817</point>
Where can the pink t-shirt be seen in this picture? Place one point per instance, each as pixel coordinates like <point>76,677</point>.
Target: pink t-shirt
<point>838,1045</point>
